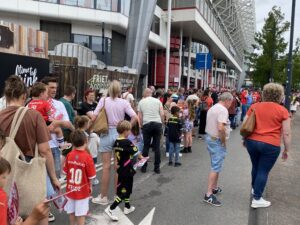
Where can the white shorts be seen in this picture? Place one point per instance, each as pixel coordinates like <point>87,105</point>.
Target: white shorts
<point>79,207</point>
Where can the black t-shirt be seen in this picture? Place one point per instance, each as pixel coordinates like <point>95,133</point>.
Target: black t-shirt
<point>124,152</point>
<point>174,126</point>
<point>86,107</point>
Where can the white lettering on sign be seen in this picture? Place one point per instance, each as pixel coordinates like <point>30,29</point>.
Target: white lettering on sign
<point>99,82</point>
<point>28,75</point>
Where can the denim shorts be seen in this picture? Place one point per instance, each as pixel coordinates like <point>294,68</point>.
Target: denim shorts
<point>217,153</point>
<point>107,140</point>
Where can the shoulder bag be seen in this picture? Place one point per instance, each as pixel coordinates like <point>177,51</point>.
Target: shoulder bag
<point>29,177</point>
<point>100,125</point>
<point>248,126</point>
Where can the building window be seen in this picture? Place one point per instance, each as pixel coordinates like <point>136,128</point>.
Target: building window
<point>125,7</point>
<point>57,32</point>
<point>83,40</point>
<point>104,5</point>
<point>96,44</point>
<point>155,27</point>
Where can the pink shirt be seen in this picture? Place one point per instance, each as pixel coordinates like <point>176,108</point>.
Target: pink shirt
<point>115,110</point>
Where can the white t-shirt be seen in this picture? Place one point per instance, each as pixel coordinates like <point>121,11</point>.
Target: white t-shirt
<point>128,96</point>
<point>150,108</point>
<point>216,114</point>
<point>294,107</point>
<point>2,103</point>
<point>58,112</point>
<point>94,143</point>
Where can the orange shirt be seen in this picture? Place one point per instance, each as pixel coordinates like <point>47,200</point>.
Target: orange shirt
<point>269,117</point>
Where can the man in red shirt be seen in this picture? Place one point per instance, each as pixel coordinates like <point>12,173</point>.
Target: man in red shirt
<point>80,170</point>
<point>244,96</point>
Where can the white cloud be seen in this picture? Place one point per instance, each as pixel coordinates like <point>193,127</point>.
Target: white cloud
<point>263,7</point>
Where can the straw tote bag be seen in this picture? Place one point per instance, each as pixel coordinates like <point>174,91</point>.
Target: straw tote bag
<point>100,125</point>
<point>249,125</point>
<point>29,177</point>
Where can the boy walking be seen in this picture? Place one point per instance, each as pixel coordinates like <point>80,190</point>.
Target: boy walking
<point>174,126</point>
<point>124,150</point>
<point>80,170</point>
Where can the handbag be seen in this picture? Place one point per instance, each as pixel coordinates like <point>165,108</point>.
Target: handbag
<point>100,125</point>
<point>29,177</point>
<point>248,126</point>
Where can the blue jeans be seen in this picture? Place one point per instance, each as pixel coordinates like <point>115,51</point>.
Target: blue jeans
<point>263,157</point>
<point>167,144</point>
<point>244,111</point>
<point>56,157</point>
<point>174,149</point>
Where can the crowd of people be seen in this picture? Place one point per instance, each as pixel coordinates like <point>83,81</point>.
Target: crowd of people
<point>65,138</point>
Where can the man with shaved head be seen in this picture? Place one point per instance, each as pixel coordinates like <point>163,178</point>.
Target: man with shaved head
<point>150,112</point>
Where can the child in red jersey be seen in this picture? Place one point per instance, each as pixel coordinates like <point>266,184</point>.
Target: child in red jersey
<point>80,170</point>
<point>39,102</point>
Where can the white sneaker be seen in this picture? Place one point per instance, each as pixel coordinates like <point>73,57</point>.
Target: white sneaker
<point>111,214</point>
<point>261,203</point>
<point>167,154</point>
<point>130,210</point>
<point>101,201</point>
<point>180,154</point>
<point>95,181</point>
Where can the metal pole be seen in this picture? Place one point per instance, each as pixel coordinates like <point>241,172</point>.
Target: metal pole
<point>271,79</point>
<point>189,64</point>
<point>180,58</point>
<point>289,65</point>
<point>205,71</point>
<point>168,45</point>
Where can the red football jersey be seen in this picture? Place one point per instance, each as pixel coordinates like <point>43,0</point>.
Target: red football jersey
<point>42,106</point>
<point>80,169</point>
<point>3,207</point>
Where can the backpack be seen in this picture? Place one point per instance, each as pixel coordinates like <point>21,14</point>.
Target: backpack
<point>203,106</point>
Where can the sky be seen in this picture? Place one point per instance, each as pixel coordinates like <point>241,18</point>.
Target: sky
<point>263,7</point>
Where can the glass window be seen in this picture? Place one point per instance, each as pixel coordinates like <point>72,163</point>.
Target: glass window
<point>82,40</point>
<point>51,1</point>
<point>155,27</point>
<point>108,49</point>
<point>205,11</point>
<point>104,4</point>
<point>68,2</point>
<point>208,15</point>
<point>125,7</point>
<point>96,44</point>
<point>185,3</point>
<point>201,6</point>
<point>86,3</point>
<point>115,6</point>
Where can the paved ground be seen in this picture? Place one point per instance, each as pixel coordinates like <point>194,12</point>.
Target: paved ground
<point>177,193</point>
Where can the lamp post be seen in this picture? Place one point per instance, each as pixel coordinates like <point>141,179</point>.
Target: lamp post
<point>271,78</point>
<point>289,65</point>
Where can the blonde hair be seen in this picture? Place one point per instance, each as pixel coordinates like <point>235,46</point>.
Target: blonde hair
<point>122,126</point>
<point>114,89</point>
<point>273,92</point>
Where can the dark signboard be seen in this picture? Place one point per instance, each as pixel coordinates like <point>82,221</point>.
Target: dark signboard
<point>29,69</point>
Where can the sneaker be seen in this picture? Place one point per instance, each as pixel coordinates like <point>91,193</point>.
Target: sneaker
<point>51,217</point>
<point>185,150</point>
<point>212,200</point>
<point>157,170</point>
<point>217,190</point>
<point>180,154</point>
<point>130,210</point>
<point>170,163</point>
<point>111,214</point>
<point>200,137</point>
<point>177,164</point>
<point>167,154</point>
<point>101,201</point>
<point>261,203</point>
<point>62,178</point>
<point>95,181</point>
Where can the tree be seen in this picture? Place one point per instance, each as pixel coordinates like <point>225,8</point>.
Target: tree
<point>296,65</point>
<point>268,59</point>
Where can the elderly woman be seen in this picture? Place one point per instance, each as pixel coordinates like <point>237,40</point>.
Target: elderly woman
<point>115,108</point>
<point>263,145</point>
